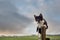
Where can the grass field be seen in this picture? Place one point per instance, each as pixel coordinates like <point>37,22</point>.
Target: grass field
<point>28,38</point>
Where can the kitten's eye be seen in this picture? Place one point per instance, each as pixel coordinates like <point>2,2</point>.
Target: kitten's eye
<point>37,19</point>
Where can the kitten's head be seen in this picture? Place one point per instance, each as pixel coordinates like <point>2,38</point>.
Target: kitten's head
<point>38,18</point>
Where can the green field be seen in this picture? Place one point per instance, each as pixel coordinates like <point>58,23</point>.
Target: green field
<point>28,38</point>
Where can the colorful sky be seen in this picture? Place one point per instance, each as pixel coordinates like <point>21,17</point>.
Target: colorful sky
<point>16,16</point>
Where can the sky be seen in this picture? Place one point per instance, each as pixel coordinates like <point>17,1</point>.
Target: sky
<point>17,16</point>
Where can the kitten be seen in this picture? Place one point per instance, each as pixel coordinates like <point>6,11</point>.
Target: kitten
<point>41,22</point>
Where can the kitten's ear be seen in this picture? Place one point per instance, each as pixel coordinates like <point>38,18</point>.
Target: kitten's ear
<point>34,15</point>
<point>40,14</point>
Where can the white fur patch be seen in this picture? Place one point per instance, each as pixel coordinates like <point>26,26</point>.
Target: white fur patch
<point>41,24</point>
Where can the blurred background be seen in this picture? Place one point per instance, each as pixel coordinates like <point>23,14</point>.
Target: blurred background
<point>17,16</point>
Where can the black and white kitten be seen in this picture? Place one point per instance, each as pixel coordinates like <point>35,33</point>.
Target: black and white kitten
<point>41,22</point>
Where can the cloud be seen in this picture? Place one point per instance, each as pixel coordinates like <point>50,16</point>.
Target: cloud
<point>10,21</point>
<point>13,22</point>
<point>49,8</point>
<point>53,15</point>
